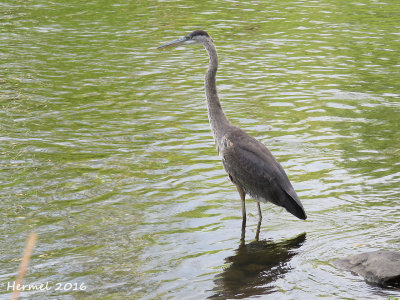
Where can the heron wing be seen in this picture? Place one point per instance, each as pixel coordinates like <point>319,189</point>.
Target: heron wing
<point>252,166</point>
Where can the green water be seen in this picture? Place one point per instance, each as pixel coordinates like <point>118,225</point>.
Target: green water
<point>107,153</point>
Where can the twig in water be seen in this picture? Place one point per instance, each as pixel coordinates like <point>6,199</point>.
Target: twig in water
<point>23,267</point>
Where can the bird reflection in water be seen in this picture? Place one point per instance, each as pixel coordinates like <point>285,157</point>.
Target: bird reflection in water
<point>255,267</point>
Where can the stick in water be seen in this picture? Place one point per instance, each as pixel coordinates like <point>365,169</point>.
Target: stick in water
<point>23,267</point>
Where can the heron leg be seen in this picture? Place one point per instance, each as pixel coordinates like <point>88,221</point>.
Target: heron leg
<point>258,230</point>
<point>242,197</point>
<point>243,235</point>
<point>259,221</point>
<point>259,212</point>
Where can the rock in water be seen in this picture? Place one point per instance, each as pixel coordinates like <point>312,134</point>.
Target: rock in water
<point>377,267</point>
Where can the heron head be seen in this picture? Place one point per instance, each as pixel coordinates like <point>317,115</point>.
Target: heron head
<point>195,37</point>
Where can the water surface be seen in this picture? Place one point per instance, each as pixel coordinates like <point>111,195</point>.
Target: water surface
<point>107,152</point>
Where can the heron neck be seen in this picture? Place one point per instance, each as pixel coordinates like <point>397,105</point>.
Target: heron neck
<point>218,120</point>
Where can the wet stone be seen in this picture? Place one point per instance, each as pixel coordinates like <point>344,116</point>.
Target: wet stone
<point>377,267</point>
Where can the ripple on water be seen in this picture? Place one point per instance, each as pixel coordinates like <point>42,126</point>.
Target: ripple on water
<point>107,152</point>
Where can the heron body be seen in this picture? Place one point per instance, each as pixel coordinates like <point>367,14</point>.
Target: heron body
<point>249,164</point>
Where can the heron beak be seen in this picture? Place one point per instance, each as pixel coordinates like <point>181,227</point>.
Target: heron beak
<point>174,43</point>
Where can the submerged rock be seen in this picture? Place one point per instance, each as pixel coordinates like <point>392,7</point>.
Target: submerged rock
<point>377,267</point>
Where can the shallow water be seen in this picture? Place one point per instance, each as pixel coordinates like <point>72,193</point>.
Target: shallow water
<point>108,156</point>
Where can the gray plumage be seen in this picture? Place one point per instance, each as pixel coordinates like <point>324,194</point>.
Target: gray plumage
<point>249,164</point>
<point>252,167</point>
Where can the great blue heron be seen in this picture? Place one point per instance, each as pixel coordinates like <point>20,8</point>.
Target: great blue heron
<point>249,164</point>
